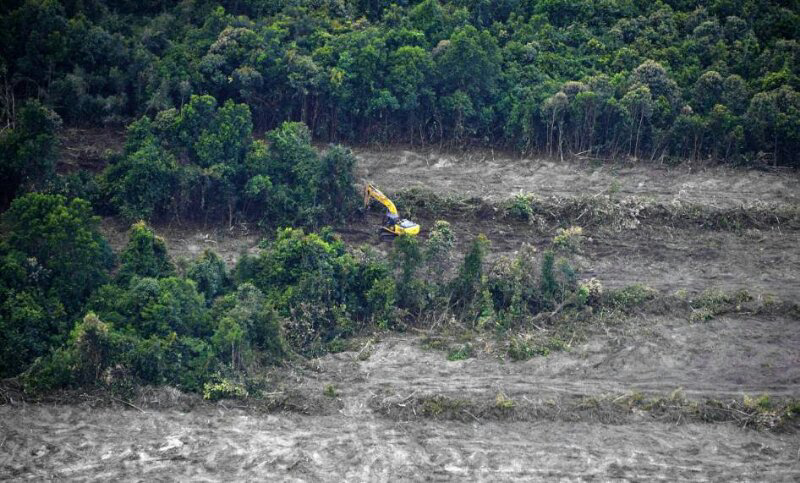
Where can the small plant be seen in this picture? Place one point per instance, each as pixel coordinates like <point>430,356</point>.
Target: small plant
<point>590,292</point>
<point>614,188</point>
<point>520,208</point>
<point>329,391</point>
<point>631,296</point>
<point>461,353</point>
<point>568,239</point>
<point>503,402</point>
<point>760,403</point>
<point>441,405</point>
<point>701,315</point>
<point>522,348</point>
<point>224,389</point>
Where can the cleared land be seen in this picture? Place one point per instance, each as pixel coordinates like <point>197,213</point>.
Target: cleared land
<point>401,410</point>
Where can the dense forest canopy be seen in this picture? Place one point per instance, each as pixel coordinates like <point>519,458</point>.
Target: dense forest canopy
<point>659,79</point>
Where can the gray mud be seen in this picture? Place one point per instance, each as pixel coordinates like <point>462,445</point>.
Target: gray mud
<point>724,358</point>
<point>54,442</point>
<point>484,175</point>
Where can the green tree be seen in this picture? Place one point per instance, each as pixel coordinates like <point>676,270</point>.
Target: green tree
<point>62,236</point>
<point>144,256</point>
<point>28,150</point>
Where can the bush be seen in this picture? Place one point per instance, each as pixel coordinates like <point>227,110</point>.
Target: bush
<point>224,389</point>
<point>407,257</point>
<point>144,256</point>
<point>520,208</point>
<point>28,151</point>
<point>91,347</point>
<point>51,258</point>
<point>438,250</point>
<point>630,297</point>
<point>469,283</point>
<point>210,274</point>
<point>568,239</point>
<point>49,372</point>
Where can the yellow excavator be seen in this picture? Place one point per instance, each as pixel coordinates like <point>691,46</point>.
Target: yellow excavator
<point>392,224</point>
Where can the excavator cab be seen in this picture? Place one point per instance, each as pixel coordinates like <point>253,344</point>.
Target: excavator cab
<point>393,225</point>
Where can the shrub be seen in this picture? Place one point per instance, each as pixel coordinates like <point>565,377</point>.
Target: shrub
<point>210,274</point>
<point>407,256</point>
<point>469,282</point>
<point>438,250</point>
<point>503,402</point>
<point>568,239</point>
<point>520,208</point>
<point>144,256</point>
<point>224,389</point>
<point>91,347</point>
<point>629,297</point>
<point>28,150</point>
<point>49,372</point>
<point>461,353</point>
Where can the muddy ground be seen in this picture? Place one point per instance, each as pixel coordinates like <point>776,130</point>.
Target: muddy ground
<point>351,439</point>
<point>366,431</point>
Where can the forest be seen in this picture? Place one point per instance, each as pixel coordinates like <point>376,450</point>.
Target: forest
<point>661,80</point>
<point>222,103</point>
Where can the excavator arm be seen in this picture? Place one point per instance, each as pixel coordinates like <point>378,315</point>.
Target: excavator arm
<point>373,193</point>
<point>392,224</point>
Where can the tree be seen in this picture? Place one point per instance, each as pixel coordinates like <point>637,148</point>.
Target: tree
<point>144,256</point>
<point>210,274</point>
<point>28,150</point>
<point>708,91</point>
<point>61,235</point>
<point>141,184</point>
<point>773,117</point>
<point>639,105</point>
<point>51,259</point>
<point>336,184</point>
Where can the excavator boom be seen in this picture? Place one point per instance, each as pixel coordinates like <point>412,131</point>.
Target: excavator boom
<point>392,224</point>
<point>373,193</point>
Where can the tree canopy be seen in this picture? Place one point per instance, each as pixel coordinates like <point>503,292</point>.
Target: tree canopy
<point>547,75</point>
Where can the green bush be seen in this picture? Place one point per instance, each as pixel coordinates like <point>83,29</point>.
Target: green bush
<point>520,208</point>
<point>224,389</point>
<point>469,282</point>
<point>28,151</point>
<point>144,256</point>
<point>210,274</point>
<point>630,297</point>
<point>51,259</point>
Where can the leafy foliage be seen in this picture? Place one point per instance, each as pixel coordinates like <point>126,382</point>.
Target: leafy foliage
<point>52,258</point>
<point>28,150</point>
<point>648,80</point>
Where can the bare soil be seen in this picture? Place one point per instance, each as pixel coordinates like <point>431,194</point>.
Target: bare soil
<point>355,436</point>
<point>496,177</point>
<point>352,440</point>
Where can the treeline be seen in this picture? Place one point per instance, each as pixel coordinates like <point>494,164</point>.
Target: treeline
<point>74,314</point>
<point>200,163</point>
<point>651,80</point>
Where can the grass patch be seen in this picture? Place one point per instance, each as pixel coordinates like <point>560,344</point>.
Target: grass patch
<point>522,348</point>
<point>459,354</point>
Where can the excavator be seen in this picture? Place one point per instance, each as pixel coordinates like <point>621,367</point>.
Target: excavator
<point>392,224</point>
